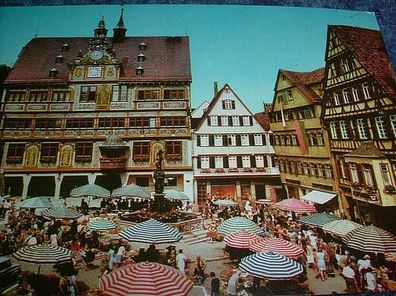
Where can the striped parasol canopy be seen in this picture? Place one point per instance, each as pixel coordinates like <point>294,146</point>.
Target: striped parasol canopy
<point>61,213</point>
<point>234,224</point>
<point>100,224</point>
<point>240,239</point>
<point>175,194</point>
<point>276,245</point>
<point>38,202</point>
<point>43,254</point>
<point>131,190</point>
<point>151,232</point>
<point>90,190</point>
<point>294,205</point>
<point>340,227</point>
<point>145,279</point>
<point>271,266</point>
<point>318,219</point>
<point>224,202</point>
<point>371,239</point>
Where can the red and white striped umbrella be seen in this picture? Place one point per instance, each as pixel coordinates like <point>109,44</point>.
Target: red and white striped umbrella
<point>240,239</point>
<point>145,278</point>
<point>294,205</point>
<point>276,245</point>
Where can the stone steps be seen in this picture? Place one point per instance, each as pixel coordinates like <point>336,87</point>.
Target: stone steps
<point>196,236</point>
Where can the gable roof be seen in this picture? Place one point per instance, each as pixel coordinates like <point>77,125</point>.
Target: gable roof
<point>263,119</point>
<point>303,80</point>
<point>214,102</point>
<point>366,150</point>
<point>167,59</point>
<point>369,48</point>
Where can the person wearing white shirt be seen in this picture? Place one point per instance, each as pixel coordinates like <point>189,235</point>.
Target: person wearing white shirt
<point>232,284</point>
<point>181,261</point>
<point>371,281</point>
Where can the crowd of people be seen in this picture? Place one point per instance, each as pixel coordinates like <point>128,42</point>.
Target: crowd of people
<point>325,255</point>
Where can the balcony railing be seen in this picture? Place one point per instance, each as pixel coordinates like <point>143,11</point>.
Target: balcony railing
<point>113,163</point>
<point>273,170</point>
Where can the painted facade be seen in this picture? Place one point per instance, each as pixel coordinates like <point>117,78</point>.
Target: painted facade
<point>360,114</point>
<point>97,110</point>
<point>232,155</point>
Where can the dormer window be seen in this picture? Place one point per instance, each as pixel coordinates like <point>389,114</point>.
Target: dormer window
<point>65,47</point>
<point>141,57</point>
<point>59,59</point>
<point>142,46</point>
<point>53,72</point>
<point>139,71</point>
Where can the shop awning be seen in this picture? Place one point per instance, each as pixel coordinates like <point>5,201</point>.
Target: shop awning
<point>319,197</point>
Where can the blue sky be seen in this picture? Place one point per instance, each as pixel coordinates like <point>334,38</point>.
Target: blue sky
<point>243,46</point>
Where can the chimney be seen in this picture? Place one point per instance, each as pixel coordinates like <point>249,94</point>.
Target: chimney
<point>215,88</point>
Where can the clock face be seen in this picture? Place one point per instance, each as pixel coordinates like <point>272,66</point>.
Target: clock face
<point>96,54</point>
<point>94,72</point>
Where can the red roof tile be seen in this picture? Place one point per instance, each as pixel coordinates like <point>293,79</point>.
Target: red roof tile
<point>263,119</point>
<point>167,59</point>
<point>303,80</point>
<point>368,47</point>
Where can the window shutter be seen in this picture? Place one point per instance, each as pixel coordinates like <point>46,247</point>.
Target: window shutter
<point>265,161</point>
<point>251,140</point>
<point>239,161</point>
<point>240,120</point>
<point>211,140</point>
<point>225,142</point>
<point>233,104</point>
<point>264,138</point>
<point>360,173</point>
<point>218,121</point>
<point>238,140</point>
<point>223,104</point>
<point>252,161</point>
<point>373,176</point>
<point>209,120</point>
<point>230,120</point>
<point>251,120</point>
<point>225,162</point>
<point>198,162</point>
<point>271,139</point>
<point>167,94</point>
<point>347,171</point>
<point>211,162</point>
<point>198,140</point>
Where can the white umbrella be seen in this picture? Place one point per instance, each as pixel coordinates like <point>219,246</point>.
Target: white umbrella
<point>234,224</point>
<point>90,190</point>
<point>131,190</point>
<point>38,202</point>
<point>271,266</point>
<point>100,224</point>
<point>224,202</point>
<point>371,239</point>
<point>175,194</point>
<point>61,213</point>
<point>151,232</point>
<point>43,254</point>
<point>340,227</point>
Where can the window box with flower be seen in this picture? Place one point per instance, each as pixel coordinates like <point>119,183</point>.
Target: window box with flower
<point>390,189</point>
<point>356,185</point>
<point>370,188</point>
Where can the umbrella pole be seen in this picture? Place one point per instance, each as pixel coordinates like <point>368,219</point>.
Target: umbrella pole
<point>38,270</point>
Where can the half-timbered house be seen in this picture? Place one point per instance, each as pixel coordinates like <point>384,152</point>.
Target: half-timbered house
<point>359,112</point>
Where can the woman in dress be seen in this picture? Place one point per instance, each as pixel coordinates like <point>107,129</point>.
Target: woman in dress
<point>321,262</point>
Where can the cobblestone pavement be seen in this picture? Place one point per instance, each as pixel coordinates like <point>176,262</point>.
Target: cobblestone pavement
<point>213,253</point>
